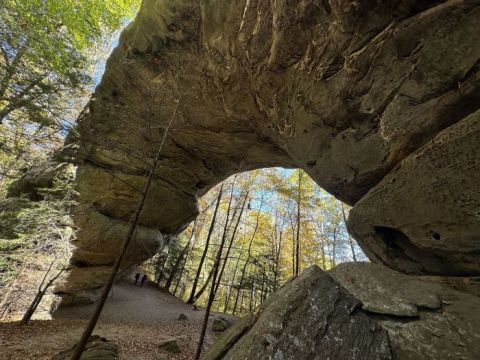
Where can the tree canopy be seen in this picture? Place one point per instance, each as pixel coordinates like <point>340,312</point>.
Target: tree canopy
<point>47,50</point>
<point>273,223</point>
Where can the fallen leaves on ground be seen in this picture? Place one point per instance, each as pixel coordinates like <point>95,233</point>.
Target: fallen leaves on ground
<point>43,339</point>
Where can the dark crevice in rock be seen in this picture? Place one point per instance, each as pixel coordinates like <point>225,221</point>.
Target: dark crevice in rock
<point>421,261</point>
<point>80,263</point>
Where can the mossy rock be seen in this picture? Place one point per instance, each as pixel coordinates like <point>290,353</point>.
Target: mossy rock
<point>220,324</point>
<point>97,348</point>
<point>171,346</point>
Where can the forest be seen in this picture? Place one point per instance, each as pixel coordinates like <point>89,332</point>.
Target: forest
<point>271,224</point>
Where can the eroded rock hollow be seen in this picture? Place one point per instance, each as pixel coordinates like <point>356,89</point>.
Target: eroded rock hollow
<point>378,101</point>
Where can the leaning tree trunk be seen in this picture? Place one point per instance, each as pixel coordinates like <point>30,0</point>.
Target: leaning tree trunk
<point>227,300</point>
<point>179,260</point>
<point>232,238</point>
<point>207,243</point>
<point>211,297</point>
<point>39,295</point>
<point>224,236</point>
<point>131,231</point>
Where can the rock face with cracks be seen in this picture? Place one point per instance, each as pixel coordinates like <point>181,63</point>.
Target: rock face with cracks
<point>377,101</point>
<point>358,311</point>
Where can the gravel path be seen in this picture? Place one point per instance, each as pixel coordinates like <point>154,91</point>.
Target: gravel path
<point>135,304</point>
<point>137,318</point>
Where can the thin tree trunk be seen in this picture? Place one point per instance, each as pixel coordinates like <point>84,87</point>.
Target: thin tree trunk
<point>277,259</point>
<point>224,237</point>
<point>211,297</point>
<point>116,266</point>
<point>322,242</point>
<point>294,266</point>
<point>249,252</point>
<point>200,292</point>
<point>161,269</point>
<point>39,295</point>
<point>262,287</point>
<point>324,260</point>
<point>202,259</point>
<point>231,240</point>
<point>179,279</point>
<point>241,301</point>
<point>252,294</point>
<point>179,260</point>
<point>350,240</point>
<point>184,264</point>
<point>334,247</point>
<point>299,201</point>
<point>233,278</point>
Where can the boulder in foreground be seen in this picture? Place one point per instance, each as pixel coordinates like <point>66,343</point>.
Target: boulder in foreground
<point>357,311</point>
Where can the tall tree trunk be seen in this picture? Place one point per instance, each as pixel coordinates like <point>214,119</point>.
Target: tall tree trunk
<point>350,240</point>
<point>293,226</point>
<point>262,287</point>
<point>39,295</point>
<point>241,301</point>
<point>224,237</point>
<point>231,241</point>
<point>249,252</point>
<point>184,264</point>
<point>252,295</point>
<point>179,279</point>
<point>200,292</point>
<point>133,225</point>
<point>299,202</point>
<point>277,259</point>
<point>233,278</point>
<point>179,260</point>
<point>334,247</point>
<point>202,259</point>
<point>161,267</point>
<point>324,260</point>
<point>322,242</point>
<point>211,296</point>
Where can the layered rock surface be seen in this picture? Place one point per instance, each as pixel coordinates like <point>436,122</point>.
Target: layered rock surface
<point>358,311</point>
<point>357,93</point>
<point>424,216</point>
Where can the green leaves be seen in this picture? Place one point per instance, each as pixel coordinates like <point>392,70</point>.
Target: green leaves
<point>47,48</point>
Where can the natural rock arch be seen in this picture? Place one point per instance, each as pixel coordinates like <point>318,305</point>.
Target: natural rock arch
<point>372,99</point>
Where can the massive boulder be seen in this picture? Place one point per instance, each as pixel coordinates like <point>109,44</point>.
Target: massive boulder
<point>357,93</point>
<point>358,311</point>
<point>424,216</point>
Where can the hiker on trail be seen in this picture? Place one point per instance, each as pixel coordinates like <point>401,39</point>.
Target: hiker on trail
<point>137,276</point>
<point>144,278</point>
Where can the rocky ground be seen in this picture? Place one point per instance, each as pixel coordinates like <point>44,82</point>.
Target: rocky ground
<point>138,319</point>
